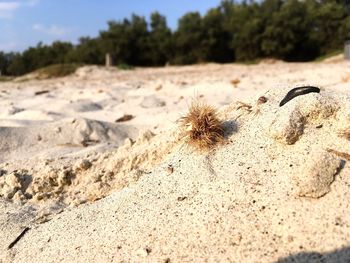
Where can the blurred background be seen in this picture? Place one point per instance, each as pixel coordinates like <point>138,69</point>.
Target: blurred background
<point>40,33</point>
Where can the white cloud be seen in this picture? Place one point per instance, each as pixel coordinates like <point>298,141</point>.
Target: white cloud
<point>53,30</point>
<point>8,8</point>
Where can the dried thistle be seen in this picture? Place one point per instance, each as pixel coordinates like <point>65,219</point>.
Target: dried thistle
<point>202,127</point>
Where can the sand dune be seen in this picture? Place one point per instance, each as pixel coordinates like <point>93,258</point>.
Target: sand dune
<point>86,188</point>
<point>50,138</point>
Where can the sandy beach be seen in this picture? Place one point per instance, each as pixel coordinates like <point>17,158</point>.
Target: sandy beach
<point>94,167</point>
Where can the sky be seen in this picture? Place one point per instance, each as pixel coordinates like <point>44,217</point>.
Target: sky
<point>25,23</point>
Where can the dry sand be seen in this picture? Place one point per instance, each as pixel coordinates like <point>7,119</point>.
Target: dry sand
<point>93,167</point>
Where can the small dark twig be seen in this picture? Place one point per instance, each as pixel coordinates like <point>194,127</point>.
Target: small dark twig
<point>41,92</point>
<point>18,238</point>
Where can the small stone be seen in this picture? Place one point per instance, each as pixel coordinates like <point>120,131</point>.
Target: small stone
<point>338,221</point>
<point>143,252</point>
<point>170,169</point>
<point>181,198</point>
<point>262,100</point>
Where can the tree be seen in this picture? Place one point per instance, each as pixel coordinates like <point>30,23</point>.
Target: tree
<point>88,51</point>
<point>287,34</point>
<point>188,40</point>
<point>344,30</point>
<point>248,36</point>
<point>328,17</point>
<point>17,66</point>
<point>160,40</point>
<point>5,60</point>
<point>216,45</point>
<point>59,50</point>
<point>127,41</point>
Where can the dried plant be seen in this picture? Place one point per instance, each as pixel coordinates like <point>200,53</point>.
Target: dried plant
<point>202,127</point>
<point>343,155</point>
<point>235,82</point>
<point>345,133</point>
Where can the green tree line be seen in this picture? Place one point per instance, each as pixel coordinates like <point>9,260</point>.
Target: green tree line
<point>291,30</point>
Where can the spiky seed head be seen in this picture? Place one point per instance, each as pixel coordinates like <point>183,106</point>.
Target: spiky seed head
<point>202,127</point>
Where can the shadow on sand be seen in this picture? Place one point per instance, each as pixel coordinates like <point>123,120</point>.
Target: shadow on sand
<point>230,127</point>
<point>337,256</point>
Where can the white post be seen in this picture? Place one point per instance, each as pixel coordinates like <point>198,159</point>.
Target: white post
<point>347,50</point>
<point>109,61</point>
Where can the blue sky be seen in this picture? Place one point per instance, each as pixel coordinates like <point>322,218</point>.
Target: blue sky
<point>24,23</point>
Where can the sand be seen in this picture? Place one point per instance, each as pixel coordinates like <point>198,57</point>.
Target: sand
<point>93,167</point>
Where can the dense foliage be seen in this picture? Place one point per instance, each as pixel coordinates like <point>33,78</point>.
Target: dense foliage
<point>291,30</point>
